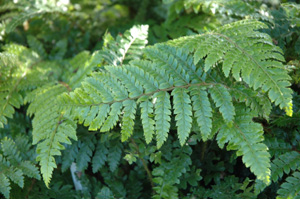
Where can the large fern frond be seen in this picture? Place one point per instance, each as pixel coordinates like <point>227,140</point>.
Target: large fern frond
<point>247,54</point>
<point>110,96</point>
<point>51,127</point>
<point>246,137</point>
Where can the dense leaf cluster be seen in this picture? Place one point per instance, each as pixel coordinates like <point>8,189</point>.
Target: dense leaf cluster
<point>179,99</point>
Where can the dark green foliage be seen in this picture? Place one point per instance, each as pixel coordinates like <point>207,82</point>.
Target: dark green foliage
<point>149,99</point>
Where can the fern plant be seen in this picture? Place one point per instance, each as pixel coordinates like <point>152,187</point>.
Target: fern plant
<point>204,115</point>
<point>194,73</point>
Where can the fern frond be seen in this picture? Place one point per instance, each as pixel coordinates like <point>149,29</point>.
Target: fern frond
<point>86,147</point>
<point>223,101</point>
<point>253,99</point>
<point>69,155</point>
<point>51,127</point>
<point>246,137</point>
<point>13,167</point>
<point>290,188</point>
<point>114,154</point>
<point>168,70</point>
<point>147,119</point>
<point>183,111</point>
<point>169,172</point>
<point>9,96</point>
<point>162,116</point>
<point>126,47</point>
<point>203,110</point>
<point>128,119</point>
<point>285,163</point>
<point>21,71</point>
<point>4,185</point>
<point>170,63</point>
<point>253,59</point>
<point>100,156</point>
<point>277,147</point>
<point>159,74</point>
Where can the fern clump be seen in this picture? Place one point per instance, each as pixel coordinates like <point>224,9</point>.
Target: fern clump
<point>99,105</point>
<point>202,102</point>
<point>14,167</point>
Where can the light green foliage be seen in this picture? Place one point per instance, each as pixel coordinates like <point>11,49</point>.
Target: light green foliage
<point>223,101</point>
<point>195,114</point>
<point>147,119</point>
<point>15,64</point>
<point>264,67</point>
<point>51,127</point>
<point>183,111</point>
<point>245,136</point>
<point>126,47</point>
<point>203,111</point>
<point>128,119</point>
<point>34,8</point>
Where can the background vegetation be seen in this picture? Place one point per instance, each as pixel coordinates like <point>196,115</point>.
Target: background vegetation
<point>56,53</point>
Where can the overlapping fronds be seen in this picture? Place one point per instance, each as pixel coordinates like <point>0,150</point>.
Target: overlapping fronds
<point>246,137</point>
<point>169,173</point>
<point>173,77</point>
<point>285,163</point>
<point>51,127</point>
<point>16,63</point>
<point>13,167</point>
<point>126,47</point>
<point>251,58</point>
<point>291,187</point>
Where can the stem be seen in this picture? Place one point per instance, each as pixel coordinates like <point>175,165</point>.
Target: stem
<point>147,94</point>
<point>33,181</point>
<point>143,162</point>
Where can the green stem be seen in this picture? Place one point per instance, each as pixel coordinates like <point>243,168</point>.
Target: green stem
<point>143,162</point>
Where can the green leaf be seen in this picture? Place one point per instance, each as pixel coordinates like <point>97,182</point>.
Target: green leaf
<point>183,111</point>
<point>86,147</point>
<point>113,117</point>
<point>246,137</point>
<point>223,101</point>
<point>290,188</point>
<point>4,185</point>
<point>114,155</point>
<point>128,119</point>
<point>147,121</point>
<point>162,116</point>
<point>203,111</point>
<point>100,157</point>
